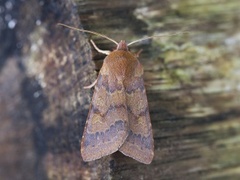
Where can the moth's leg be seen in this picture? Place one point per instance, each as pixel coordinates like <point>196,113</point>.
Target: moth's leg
<point>138,53</point>
<point>91,85</point>
<point>99,50</point>
<point>147,84</point>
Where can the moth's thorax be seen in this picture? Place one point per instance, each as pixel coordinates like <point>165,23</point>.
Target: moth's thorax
<point>121,63</point>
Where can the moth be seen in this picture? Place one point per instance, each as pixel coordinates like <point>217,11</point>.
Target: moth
<point>118,118</point>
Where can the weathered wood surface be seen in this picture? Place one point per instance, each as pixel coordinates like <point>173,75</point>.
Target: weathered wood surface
<point>193,98</point>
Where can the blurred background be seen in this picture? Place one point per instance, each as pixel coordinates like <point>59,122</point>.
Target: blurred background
<point>194,91</point>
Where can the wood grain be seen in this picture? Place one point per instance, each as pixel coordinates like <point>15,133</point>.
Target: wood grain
<point>193,98</point>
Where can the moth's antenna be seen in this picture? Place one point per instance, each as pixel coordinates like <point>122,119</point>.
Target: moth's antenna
<point>150,37</point>
<point>91,32</point>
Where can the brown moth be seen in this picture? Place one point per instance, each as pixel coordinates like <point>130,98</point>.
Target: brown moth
<point>118,118</point>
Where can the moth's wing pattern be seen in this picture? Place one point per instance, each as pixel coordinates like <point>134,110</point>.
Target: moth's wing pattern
<point>106,127</point>
<point>139,143</point>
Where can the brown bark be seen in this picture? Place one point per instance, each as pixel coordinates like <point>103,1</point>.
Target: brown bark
<point>193,96</point>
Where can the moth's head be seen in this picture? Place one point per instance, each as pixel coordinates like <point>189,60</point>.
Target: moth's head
<point>122,45</point>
